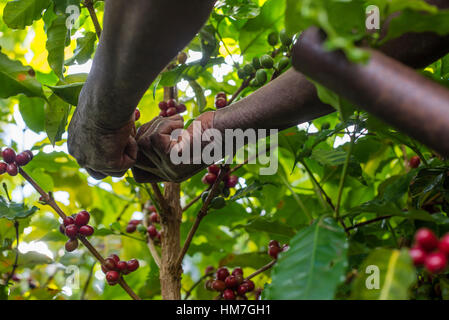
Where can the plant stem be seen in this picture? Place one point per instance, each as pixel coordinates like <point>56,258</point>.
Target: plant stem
<point>16,260</point>
<point>52,203</point>
<point>343,178</point>
<point>328,199</point>
<point>86,284</point>
<point>263,269</point>
<point>90,7</point>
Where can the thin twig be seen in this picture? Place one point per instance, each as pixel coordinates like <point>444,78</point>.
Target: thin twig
<point>52,203</point>
<point>160,198</point>
<point>328,199</point>
<point>263,269</point>
<point>245,84</point>
<point>16,260</point>
<point>361,224</point>
<point>189,292</point>
<point>86,284</point>
<point>90,7</point>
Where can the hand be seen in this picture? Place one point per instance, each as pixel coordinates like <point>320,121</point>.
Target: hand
<point>101,151</point>
<point>155,146</point>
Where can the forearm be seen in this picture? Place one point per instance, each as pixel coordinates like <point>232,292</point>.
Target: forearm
<point>139,39</point>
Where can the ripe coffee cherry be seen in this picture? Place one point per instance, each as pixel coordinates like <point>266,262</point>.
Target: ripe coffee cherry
<point>181,108</point>
<point>222,274</point>
<point>150,208</point>
<point>242,289</point>
<point>152,231</point>
<point>71,245</point>
<point>171,111</point>
<point>12,169</point>
<point>418,256</point>
<point>209,269</point>
<point>444,244</point>
<point>154,217</point>
<point>426,239</point>
<point>22,159</point>
<point>163,113</point>
<point>163,105</point>
<point>114,257</point>
<point>136,114</point>
<point>82,218</point>
<point>171,103</point>
<point>9,155</point>
<point>86,230</point>
<point>130,228</point>
<point>133,265</point>
<point>231,182</point>
<point>122,266</point>
<point>414,162</point>
<point>249,284</point>
<point>213,169</point>
<point>112,276</point>
<point>218,285</point>
<point>209,178</point>
<point>228,294</point>
<point>3,167</point>
<point>135,222</point>
<point>231,282</point>
<point>274,251</point>
<point>220,103</point>
<point>208,285</point>
<point>68,220</point>
<point>436,262</point>
<point>71,231</point>
<point>274,243</point>
<point>30,154</point>
<point>237,271</point>
<point>62,229</point>
<point>110,263</point>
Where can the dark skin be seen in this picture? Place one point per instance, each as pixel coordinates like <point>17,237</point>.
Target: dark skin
<point>102,135</point>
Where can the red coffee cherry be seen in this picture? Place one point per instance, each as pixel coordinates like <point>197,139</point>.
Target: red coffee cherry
<point>239,279</point>
<point>114,257</point>
<point>249,284</point>
<point>112,277</point>
<point>274,243</point>
<point>209,269</point>
<point>71,245</point>
<point>436,262</point>
<point>122,266</point>
<point>237,271</point>
<point>130,228</point>
<point>426,239</point>
<point>71,231</point>
<point>3,167</point>
<point>136,115</point>
<point>231,181</point>
<point>68,220</point>
<point>12,169</point>
<point>163,105</point>
<point>151,208</point>
<point>181,108</point>
<point>82,218</point>
<point>418,256</point>
<point>30,154</point>
<point>274,251</point>
<point>86,231</point>
<point>208,285</point>
<point>135,222</point>
<point>231,282</point>
<point>414,162</point>
<point>209,178</point>
<point>110,263</point>
<point>222,274</point>
<point>133,265</point>
<point>152,231</point>
<point>220,103</point>
<point>22,159</point>
<point>218,285</point>
<point>171,103</point>
<point>9,155</point>
<point>154,217</point>
<point>228,294</point>
<point>214,169</point>
<point>242,289</point>
<point>444,244</point>
<point>163,113</point>
<point>171,111</point>
<point>221,95</point>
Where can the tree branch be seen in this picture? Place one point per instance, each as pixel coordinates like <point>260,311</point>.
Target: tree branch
<point>263,269</point>
<point>89,4</point>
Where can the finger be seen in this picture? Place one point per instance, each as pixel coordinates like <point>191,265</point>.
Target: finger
<point>96,174</point>
<point>131,152</point>
<point>145,128</point>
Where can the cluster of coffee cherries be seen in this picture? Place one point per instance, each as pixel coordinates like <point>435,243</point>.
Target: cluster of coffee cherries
<point>414,162</point>
<point>274,248</point>
<point>76,225</point>
<point>429,251</point>
<point>13,161</point>
<point>113,268</point>
<point>232,286</point>
<point>221,100</point>
<point>210,177</point>
<point>170,108</point>
<point>153,219</point>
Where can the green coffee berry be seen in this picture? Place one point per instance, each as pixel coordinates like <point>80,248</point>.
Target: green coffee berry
<point>256,63</point>
<point>254,83</point>
<point>141,228</point>
<point>218,203</point>
<point>266,61</point>
<point>204,196</point>
<point>261,76</point>
<point>273,38</point>
<point>282,63</point>
<point>249,69</point>
<point>242,74</point>
<point>285,38</point>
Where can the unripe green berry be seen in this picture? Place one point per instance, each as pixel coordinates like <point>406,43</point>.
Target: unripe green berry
<point>218,203</point>
<point>141,228</point>
<point>282,63</point>
<point>273,38</point>
<point>285,38</point>
<point>249,69</point>
<point>267,61</point>
<point>261,76</point>
<point>256,63</point>
<point>241,74</point>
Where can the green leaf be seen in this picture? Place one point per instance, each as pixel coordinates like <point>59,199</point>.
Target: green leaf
<point>32,258</point>
<point>57,36</point>
<point>69,92</point>
<point>33,113</point>
<point>84,49</point>
<point>20,13</point>
<point>332,157</point>
<point>396,273</point>
<point>13,210</point>
<point>56,114</point>
<point>313,266</point>
<point>274,228</point>
<point>14,79</point>
<point>199,95</point>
